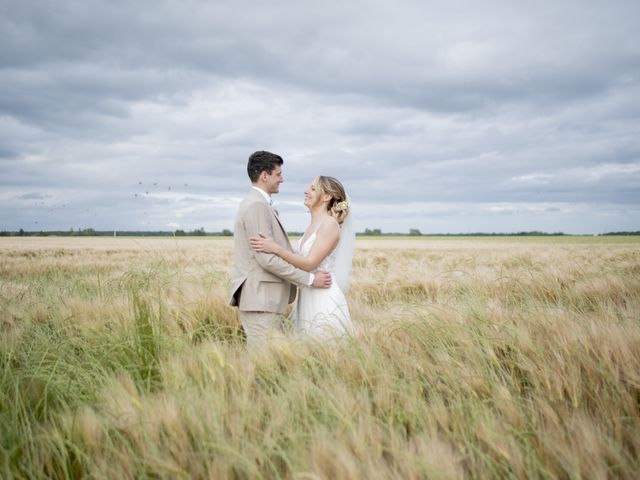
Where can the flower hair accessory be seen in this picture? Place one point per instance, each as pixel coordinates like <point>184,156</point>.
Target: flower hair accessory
<point>344,205</point>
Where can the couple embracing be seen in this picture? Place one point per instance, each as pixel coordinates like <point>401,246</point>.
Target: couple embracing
<point>268,271</point>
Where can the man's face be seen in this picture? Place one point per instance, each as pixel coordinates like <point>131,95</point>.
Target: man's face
<point>273,180</point>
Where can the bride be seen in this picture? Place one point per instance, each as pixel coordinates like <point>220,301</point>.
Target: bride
<point>327,245</point>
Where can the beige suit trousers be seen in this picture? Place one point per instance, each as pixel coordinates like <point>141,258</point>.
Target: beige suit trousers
<point>261,327</point>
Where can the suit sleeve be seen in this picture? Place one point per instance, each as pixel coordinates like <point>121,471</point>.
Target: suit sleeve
<point>258,219</point>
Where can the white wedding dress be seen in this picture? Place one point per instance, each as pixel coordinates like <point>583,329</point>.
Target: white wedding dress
<point>320,313</point>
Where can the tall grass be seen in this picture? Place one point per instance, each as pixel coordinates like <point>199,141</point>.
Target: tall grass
<point>473,360</point>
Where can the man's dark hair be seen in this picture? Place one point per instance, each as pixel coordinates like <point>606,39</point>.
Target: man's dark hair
<point>262,162</point>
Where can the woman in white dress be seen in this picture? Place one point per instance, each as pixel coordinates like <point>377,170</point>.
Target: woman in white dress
<point>327,245</point>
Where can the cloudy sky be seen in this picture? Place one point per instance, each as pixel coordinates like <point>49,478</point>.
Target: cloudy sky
<point>452,116</point>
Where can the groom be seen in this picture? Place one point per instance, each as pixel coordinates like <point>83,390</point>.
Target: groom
<point>262,284</point>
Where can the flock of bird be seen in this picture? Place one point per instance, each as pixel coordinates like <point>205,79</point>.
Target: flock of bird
<point>155,184</point>
<point>146,190</point>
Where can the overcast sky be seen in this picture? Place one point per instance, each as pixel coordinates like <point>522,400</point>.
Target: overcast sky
<point>453,116</point>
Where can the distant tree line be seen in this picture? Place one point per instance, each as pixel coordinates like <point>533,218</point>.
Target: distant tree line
<point>200,232</point>
<point>621,233</point>
<point>414,232</point>
<point>90,232</point>
<point>533,233</point>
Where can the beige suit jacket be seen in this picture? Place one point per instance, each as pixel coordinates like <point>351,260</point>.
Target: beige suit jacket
<point>261,282</point>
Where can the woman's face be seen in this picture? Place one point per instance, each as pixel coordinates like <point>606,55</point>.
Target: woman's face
<point>312,195</point>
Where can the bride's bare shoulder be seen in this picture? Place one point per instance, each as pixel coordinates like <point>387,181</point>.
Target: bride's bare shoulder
<point>329,227</point>
<point>330,223</point>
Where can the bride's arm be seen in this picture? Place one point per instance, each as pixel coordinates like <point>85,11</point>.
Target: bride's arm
<point>327,238</point>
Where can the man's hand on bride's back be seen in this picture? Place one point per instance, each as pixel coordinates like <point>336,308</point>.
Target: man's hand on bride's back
<point>321,280</point>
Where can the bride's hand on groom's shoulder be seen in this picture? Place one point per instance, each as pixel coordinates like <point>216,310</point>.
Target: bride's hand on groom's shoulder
<point>262,243</point>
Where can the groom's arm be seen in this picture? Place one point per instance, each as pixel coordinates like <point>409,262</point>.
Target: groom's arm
<point>258,219</point>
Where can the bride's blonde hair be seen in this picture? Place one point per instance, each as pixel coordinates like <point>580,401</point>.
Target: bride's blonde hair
<point>338,206</point>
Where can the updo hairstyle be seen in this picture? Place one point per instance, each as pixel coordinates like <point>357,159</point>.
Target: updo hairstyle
<point>338,206</point>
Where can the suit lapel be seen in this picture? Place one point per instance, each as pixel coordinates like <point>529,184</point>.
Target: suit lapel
<point>259,196</point>
<point>273,212</point>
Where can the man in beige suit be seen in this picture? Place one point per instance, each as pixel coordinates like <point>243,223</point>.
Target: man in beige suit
<point>262,284</point>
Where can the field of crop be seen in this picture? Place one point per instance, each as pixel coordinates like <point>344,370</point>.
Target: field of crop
<point>474,358</point>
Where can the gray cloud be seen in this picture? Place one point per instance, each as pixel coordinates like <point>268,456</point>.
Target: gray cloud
<point>444,117</point>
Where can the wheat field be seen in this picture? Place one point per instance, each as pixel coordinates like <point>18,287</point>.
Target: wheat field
<point>474,358</point>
